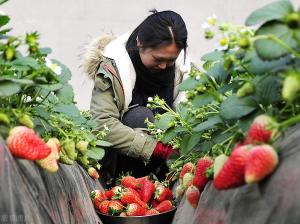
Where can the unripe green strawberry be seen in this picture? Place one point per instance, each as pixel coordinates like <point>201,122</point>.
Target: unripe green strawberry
<point>82,146</point>
<point>26,120</point>
<point>245,90</point>
<point>179,191</point>
<point>293,20</point>
<point>49,163</point>
<point>10,53</point>
<point>4,118</point>
<point>244,43</point>
<point>187,179</point>
<point>262,161</point>
<point>291,86</point>
<point>69,147</point>
<point>187,168</point>
<point>218,163</point>
<point>54,144</point>
<point>83,160</point>
<point>65,159</point>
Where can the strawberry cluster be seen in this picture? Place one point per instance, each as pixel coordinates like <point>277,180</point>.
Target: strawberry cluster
<point>249,162</point>
<point>134,197</point>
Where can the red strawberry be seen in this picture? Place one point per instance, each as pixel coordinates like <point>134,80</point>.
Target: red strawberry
<point>187,168</point>
<point>133,191</point>
<point>187,180</point>
<point>23,142</point>
<point>232,173</point>
<point>112,192</point>
<point>200,178</point>
<point>93,173</point>
<point>164,206</point>
<point>129,197</point>
<point>163,193</point>
<point>103,206</point>
<point>97,196</point>
<point>115,207</point>
<point>141,180</point>
<point>260,130</point>
<point>152,211</point>
<point>135,209</point>
<point>129,181</point>
<point>147,190</point>
<point>193,195</point>
<point>154,203</point>
<point>262,161</point>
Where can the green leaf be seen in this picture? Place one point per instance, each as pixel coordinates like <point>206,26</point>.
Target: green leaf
<point>189,142</point>
<point>208,65</point>
<point>213,56</point>
<point>183,111</point>
<point>26,61</point>
<point>234,107</point>
<point>228,87</point>
<point>273,11</point>
<point>51,87</point>
<point>95,153</point>
<point>67,109</point>
<point>218,72</point>
<point>169,135</point>
<point>209,124</point>
<point>3,1</point>
<point>20,81</point>
<point>4,20</point>
<point>4,31</point>
<point>190,83</point>
<point>163,122</point>
<point>267,90</point>
<point>268,49</point>
<point>8,88</point>
<point>258,66</point>
<point>103,143</point>
<point>201,100</point>
<point>66,94</point>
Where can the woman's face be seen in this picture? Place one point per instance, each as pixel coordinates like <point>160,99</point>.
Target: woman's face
<point>158,59</point>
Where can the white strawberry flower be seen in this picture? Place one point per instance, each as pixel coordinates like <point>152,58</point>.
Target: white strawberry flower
<point>158,131</point>
<point>150,99</point>
<point>54,67</point>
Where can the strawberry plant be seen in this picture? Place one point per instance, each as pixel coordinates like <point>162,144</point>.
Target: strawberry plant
<point>254,70</point>
<point>34,92</point>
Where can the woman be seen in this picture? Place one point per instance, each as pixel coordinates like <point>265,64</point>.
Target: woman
<point>126,71</point>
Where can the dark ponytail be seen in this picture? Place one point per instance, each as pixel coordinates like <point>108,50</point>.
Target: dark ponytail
<point>161,29</point>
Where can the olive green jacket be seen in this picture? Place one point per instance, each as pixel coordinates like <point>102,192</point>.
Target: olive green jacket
<point>108,63</point>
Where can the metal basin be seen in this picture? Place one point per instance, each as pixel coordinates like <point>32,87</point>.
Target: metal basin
<point>162,218</point>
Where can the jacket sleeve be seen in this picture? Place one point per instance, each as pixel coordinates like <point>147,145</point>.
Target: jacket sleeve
<point>131,142</point>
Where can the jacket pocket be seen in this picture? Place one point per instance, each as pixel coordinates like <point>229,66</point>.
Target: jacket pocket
<point>102,83</point>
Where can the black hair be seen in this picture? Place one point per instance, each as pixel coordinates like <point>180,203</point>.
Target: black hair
<point>161,29</point>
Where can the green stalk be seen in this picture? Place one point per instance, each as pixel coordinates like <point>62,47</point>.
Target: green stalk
<point>287,123</point>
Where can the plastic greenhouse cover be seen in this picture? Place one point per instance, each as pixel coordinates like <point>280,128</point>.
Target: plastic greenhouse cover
<point>276,200</point>
<point>31,195</point>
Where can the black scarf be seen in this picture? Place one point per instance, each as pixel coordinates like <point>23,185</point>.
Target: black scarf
<point>149,84</point>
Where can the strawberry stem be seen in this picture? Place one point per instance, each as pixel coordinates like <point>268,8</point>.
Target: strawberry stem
<point>287,123</point>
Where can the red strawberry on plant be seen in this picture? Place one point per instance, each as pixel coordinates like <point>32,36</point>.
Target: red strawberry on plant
<point>147,190</point>
<point>260,130</point>
<point>187,168</point>
<point>200,178</point>
<point>93,173</point>
<point>233,171</point>
<point>193,195</point>
<point>115,207</point>
<point>112,192</point>
<point>135,209</point>
<point>262,161</point>
<point>162,193</point>
<point>152,211</point>
<point>24,143</point>
<point>103,206</point>
<point>164,206</point>
<point>130,181</point>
